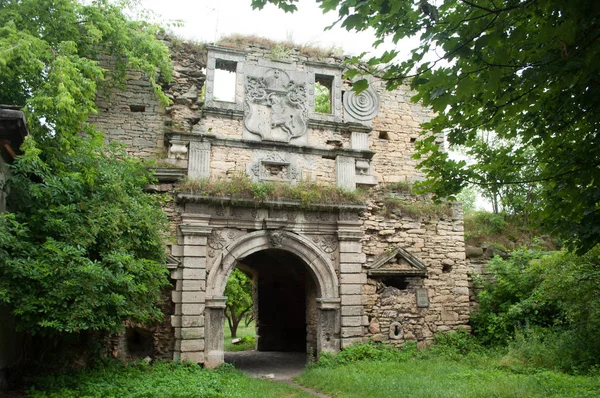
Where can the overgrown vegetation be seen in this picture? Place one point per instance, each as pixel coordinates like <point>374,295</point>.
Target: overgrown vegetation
<point>456,366</point>
<point>82,246</point>
<point>173,380</point>
<point>240,186</point>
<point>545,306</point>
<point>280,48</point>
<point>417,208</point>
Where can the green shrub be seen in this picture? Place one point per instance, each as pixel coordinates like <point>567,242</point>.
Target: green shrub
<point>547,306</point>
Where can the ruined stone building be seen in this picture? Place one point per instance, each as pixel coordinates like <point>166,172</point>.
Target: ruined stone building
<point>390,269</point>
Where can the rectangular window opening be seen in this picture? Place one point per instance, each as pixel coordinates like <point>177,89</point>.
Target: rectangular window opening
<point>225,80</point>
<point>383,135</point>
<point>323,92</point>
<point>137,108</point>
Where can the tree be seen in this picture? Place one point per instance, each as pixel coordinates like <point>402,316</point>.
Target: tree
<point>239,299</point>
<point>82,247</point>
<point>526,70</point>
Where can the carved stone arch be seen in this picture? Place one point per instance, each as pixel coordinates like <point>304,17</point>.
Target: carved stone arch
<point>321,268</point>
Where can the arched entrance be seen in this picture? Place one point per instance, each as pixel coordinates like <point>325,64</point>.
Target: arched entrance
<point>265,250</point>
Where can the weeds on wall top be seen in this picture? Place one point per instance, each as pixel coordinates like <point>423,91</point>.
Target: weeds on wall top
<point>412,204</point>
<point>241,42</point>
<point>240,186</point>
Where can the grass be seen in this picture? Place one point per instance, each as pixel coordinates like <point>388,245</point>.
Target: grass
<point>417,208</point>
<point>442,378</point>
<point>165,380</point>
<point>242,187</point>
<point>241,42</point>
<point>246,333</point>
<point>462,371</point>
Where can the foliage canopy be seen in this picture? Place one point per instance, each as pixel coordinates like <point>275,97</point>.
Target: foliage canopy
<point>525,70</point>
<point>82,246</point>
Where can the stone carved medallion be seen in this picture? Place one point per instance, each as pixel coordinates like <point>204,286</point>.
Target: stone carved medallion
<point>275,106</point>
<point>363,106</point>
<point>216,240</point>
<point>327,243</point>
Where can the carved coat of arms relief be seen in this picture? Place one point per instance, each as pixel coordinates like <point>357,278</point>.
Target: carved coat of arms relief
<point>275,106</point>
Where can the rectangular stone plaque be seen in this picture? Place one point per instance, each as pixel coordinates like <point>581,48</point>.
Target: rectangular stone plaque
<point>422,298</point>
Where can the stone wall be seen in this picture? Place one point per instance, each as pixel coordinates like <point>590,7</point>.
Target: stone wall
<point>376,273</point>
<point>437,241</point>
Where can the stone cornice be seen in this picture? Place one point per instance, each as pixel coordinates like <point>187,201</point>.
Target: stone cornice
<point>168,174</point>
<point>274,204</point>
<point>338,126</point>
<point>195,230</point>
<point>326,153</point>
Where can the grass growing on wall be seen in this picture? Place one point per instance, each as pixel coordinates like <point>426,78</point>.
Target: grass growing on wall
<point>418,208</point>
<point>242,187</point>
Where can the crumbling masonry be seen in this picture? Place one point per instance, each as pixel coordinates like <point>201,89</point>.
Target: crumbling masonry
<point>325,277</point>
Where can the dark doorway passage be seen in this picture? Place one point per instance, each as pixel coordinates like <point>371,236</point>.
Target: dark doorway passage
<point>283,288</point>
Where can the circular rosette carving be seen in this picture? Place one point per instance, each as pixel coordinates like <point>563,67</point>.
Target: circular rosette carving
<point>363,106</point>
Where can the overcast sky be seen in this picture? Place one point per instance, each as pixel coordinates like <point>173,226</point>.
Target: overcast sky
<point>209,20</point>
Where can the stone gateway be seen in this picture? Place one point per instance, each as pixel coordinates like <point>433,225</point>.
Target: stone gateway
<point>391,269</point>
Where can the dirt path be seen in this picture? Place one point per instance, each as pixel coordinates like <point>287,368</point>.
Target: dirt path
<point>277,366</point>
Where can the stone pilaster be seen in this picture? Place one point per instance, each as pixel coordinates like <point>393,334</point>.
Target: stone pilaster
<point>189,296</point>
<point>352,278</point>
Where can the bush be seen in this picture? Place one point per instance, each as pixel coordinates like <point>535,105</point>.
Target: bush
<point>546,306</point>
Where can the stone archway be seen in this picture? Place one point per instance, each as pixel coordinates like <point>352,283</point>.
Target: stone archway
<point>321,269</point>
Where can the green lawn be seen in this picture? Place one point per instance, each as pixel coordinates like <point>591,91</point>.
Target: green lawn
<point>431,376</point>
<point>164,380</point>
<point>243,331</point>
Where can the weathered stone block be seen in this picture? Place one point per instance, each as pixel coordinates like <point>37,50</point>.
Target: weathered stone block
<point>192,309</point>
<point>353,258</point>
<point>194,251</point>
<point>192,345</point>
<point>354,278</point>
<point>350,268</point>
<point>350,247</point>
<point>188,297</point>
<point>192,320</point>
<point>194,262</point>
<point>194,273</point>
<point>193,285</point>
<point>352,331</point>
<point>191,333</point>
<point>351,299</point>
<point>351,289</point>
<point>351,321</point>
<point>196,357</point>
<point>351,310</point>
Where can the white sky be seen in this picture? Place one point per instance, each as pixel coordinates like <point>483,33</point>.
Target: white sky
<point>209,20</point>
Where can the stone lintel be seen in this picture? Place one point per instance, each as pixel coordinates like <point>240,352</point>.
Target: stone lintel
<point>327,153</point>
<point>328,303</point>
<point>226,50</point>
<point>216,302</point>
